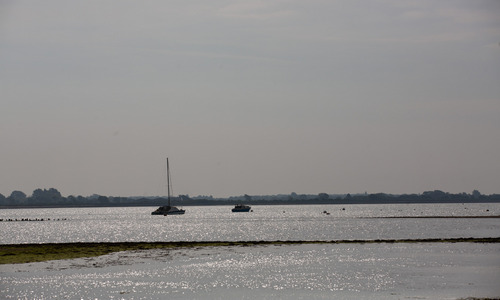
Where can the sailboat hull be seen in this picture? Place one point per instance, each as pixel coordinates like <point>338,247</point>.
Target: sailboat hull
<point>168,210</point>
<point>177,212</point>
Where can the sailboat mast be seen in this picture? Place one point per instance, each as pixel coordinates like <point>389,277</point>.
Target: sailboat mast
<point>168,183</point>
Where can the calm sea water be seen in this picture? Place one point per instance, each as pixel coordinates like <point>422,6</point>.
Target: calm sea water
<point>218,223</point>
<point>345,271</point>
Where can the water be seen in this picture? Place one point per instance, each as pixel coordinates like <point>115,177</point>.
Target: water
<point>364,271</point>
<point>329,271</point>
<point>269,223</point>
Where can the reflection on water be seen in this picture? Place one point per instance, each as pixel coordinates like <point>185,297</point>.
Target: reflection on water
<point>369,271</point>
<point>214,223</point>
<point>345,271</point>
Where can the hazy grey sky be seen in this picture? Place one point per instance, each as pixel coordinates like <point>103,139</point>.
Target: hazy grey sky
<point>249,97</point>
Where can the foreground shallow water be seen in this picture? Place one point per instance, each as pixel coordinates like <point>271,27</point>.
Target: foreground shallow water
<point>361,271</point>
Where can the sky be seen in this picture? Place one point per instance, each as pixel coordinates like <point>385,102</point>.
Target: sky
<point>249,97</point>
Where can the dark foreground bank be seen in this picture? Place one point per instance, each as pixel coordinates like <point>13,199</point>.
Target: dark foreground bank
<point>25,253</point>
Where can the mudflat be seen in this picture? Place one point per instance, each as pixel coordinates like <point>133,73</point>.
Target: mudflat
<point>26,253</point>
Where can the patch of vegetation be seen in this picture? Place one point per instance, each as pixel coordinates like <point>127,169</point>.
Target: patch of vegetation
<point>25,253</point>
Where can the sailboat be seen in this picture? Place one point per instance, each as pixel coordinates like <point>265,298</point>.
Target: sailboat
<point>168,209</point>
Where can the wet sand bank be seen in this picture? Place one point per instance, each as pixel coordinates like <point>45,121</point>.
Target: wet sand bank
<point>25,253</point>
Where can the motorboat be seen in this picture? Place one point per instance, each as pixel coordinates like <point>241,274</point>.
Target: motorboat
<point>241,208</point>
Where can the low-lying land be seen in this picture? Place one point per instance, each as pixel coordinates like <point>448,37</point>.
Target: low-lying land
<point>25,253</point>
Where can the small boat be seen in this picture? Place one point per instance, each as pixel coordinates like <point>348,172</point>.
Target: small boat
<point>168,209</point>
<point>241,208</point>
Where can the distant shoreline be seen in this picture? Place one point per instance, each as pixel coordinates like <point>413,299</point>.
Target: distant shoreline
<point>263,202</point>
<point>53,198</point>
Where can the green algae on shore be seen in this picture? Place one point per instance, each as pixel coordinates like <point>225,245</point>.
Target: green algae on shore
<point>26,253</point>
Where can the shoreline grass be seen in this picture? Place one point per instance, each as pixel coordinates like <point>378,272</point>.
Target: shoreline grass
<point>26,253</point>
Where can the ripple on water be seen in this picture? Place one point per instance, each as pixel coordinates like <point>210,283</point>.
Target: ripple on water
<point>369,271</point>
<point>299,222</point>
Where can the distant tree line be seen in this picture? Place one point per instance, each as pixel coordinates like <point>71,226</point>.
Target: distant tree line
<point>53,198</point>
